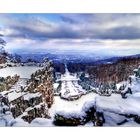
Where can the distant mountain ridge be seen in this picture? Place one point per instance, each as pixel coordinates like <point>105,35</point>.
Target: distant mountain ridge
<point>74,58</point>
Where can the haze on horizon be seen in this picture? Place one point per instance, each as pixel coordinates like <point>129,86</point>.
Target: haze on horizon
<point>103,34</point>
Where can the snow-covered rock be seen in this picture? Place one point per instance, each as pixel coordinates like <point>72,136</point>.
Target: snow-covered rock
<point>43,122</point>
<point>113,119</point>
<point>19,123</point>
<point>135,84</point>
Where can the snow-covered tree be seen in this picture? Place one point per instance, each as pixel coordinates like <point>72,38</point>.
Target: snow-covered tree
<point>2,44</point>
<point>45,60</point>
<point>16,58</point>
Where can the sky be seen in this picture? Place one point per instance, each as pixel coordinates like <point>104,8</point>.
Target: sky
<point>108,34</point>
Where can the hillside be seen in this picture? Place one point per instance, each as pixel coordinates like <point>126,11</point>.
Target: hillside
<point>114,72</point>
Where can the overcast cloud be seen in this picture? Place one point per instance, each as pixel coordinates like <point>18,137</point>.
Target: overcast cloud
<point>91,32</point>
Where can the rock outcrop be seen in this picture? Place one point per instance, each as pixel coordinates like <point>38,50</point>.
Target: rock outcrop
<point>8,82</point>
<point>31,100</point>
<point>42,81</point>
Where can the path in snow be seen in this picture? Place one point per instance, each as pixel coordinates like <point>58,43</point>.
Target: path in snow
<point>70,88</point>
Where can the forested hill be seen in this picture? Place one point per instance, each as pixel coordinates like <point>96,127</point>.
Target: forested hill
<point>114,72</point>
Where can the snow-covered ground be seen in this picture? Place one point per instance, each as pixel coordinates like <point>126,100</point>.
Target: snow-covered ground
<point>61,105</point>
<point>67,76</point>
<point>116,104</point>
<point>23,71</point>
<point>111,106</point>
<point>70,89</point>
<point>19,83</point>
<point>114,107</point>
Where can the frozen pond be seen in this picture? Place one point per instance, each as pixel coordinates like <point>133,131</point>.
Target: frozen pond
<point>23,71</point>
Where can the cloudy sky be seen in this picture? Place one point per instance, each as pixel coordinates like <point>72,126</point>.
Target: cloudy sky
<point>115,34</point>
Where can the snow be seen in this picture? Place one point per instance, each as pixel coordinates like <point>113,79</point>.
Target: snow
<point>31,95</point>
<point>89,124</point>
<point>135,86</point>
<point>135,70</point>
<point>14,95</point>
<point>88,104</point>
<point>2,122</point>
<point>43,122</point>
<point>5,92</point>
<point>130,124</point>
<point>70,88</point>
<point>19,123</point>
<point>55,85</point>
<point>68,107</point>
<point>5,119</point>
<point>23,72</point>
<point>114,107</point>
<point>68,77</point>
<point>19,83</point>
<point>112,119</point>
<point>120,84</point>
<point>4,65</point>
<point>116,104</point>
<point>71,114</point>
<point>25,113</point>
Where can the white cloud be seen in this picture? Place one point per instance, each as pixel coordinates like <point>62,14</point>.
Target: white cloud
<point>108,33</point>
